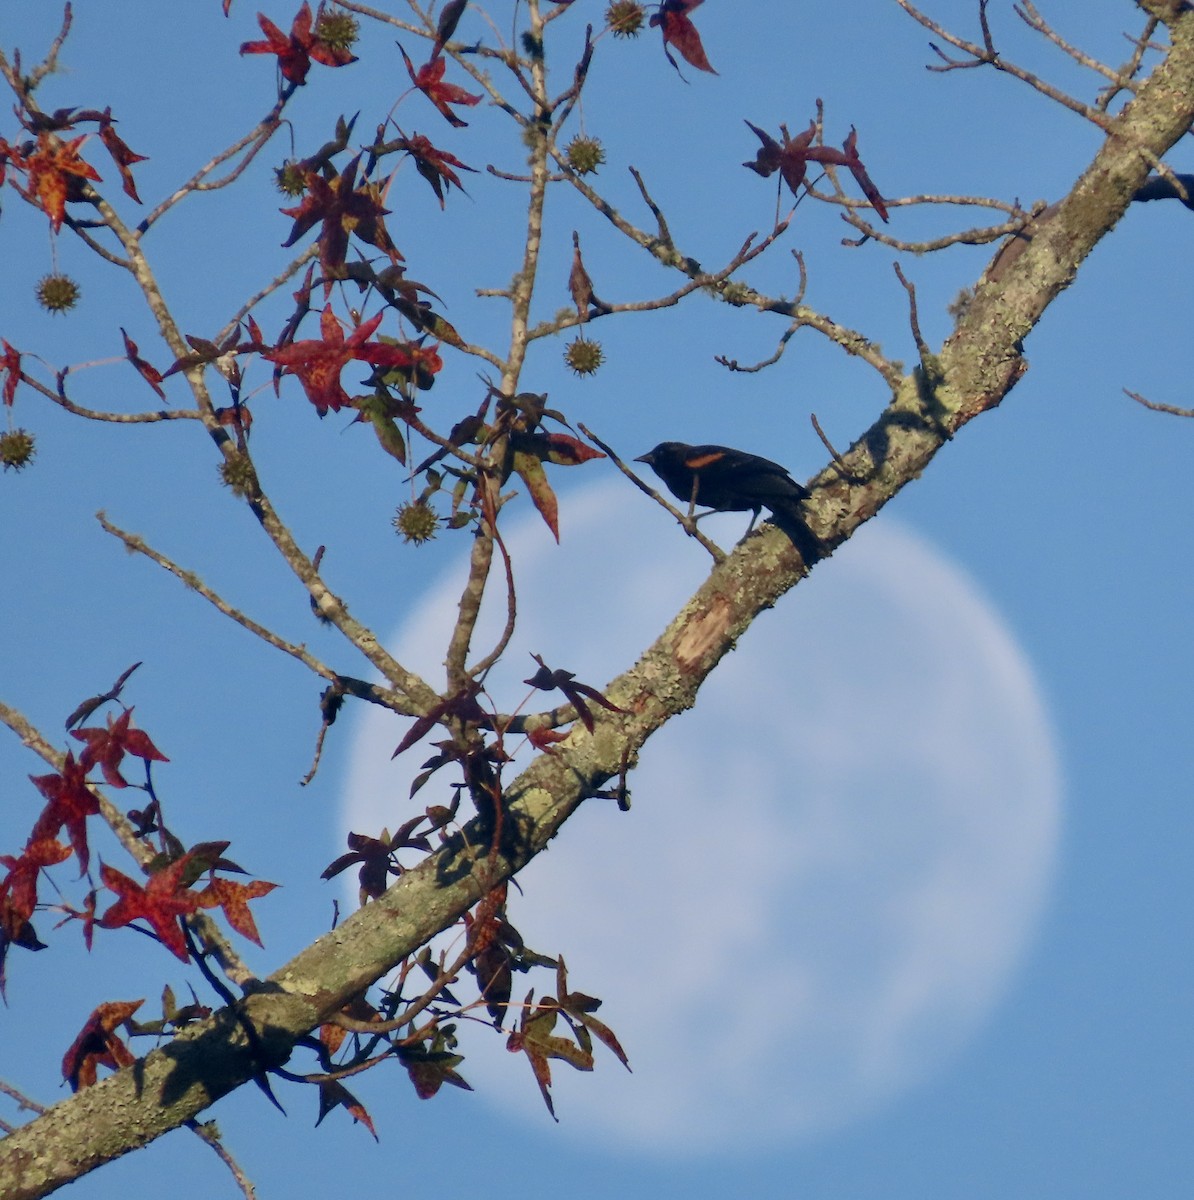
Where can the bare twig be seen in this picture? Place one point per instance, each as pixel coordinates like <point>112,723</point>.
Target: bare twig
<point>138,545</point>
<point>987,55</point>
<point>287,273</point>
<point>690,526</point>
<point>209,1133</point>
<point>922,347</point>
<point>843,468</point>
<point>1126,75</point>
<point>251,143</point>
<point>142,418</point>
<point>24,1103</point>
<point>1157,406</point>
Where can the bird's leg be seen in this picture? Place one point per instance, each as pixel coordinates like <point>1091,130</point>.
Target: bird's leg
<point>690,521</point>
<point>754,516</point>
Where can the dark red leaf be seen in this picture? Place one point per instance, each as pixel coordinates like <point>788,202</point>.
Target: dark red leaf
<point>679,31</point>
<point>151,375</point>
<point>429,79</point>
<point>97,1044</point>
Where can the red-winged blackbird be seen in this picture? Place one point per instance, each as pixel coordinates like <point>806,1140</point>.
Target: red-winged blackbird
<point>727,480</point>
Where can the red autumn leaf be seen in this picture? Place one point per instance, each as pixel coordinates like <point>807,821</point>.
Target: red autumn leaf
<point>792,156</point>
<point>342,208</point>
<point>19,887</point>
<point>430,1067</point>
<point>318,364</point>
<point>235,416</point>
<point>580,1008</point>
<point>71,802</point>
<point>543,738</point>
<point>490,940</point>
<point>56,174</point>
<point>296,49</point>
<point>332,1094</point>
<point>10,363</point>
<point>106,747</point>
<point>679,31</point>
<point>122,156</point>
<point>535,1038</point>
<point>97,1044</point>
<point>374,856</point>
<point>548,680</point>
<point>86,915</point>
<point>529,467</point>
<point>462,704</point>
<point>150,374</point>
<point>163,901</point>
<point>84,710</point>
<point>234,899</point>
<point>580,284</point>
<point>531,450</point>
<point>434,165</point>
<point>449,18</point>
<point>429,79</point>
<point>14,931</point>
<point>854,163</point>
<point>567,451</point>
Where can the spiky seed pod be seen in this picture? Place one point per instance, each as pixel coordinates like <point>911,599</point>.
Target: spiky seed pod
<point>585,154</point>
<point>338,30</point>
<point>238,476</point>
<point>57,293</point>
<point>416,522</point>
<point>290,179</point>
<point>584,356</point>
<point>16,449</point>
<point>625,18</point>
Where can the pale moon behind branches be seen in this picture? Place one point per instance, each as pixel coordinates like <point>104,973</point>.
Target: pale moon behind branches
<point>831,866</point>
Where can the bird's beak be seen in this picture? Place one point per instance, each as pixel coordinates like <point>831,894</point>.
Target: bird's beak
<point>645,458</point>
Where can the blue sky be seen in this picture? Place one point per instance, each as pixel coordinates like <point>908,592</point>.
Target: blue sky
<point>1062,517</point>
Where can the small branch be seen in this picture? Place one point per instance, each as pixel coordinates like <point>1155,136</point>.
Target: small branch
<point>208,1132</point>
<point>139,546</point>
<point>690,526</point>
<point>312,251</point>
<point>143,418</point>
<point>24,1103</point>
<point>23,87</point>
<point>987,55</point>
<point>1157,406</point>
<point>255,139</point>
<point>978,236</point>
<point>479,669</point>
<point>922,347</point>
<point>716,282</point>
<point>850,340</point>
<point>1127,73</point>
<point>665,234</point>
<point>840,463</point>
<point>1027,12</point>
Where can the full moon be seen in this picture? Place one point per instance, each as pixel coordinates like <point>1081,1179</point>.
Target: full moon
<point>831,866</point>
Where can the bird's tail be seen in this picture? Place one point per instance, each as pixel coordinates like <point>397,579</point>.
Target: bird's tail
<point>790,519</point>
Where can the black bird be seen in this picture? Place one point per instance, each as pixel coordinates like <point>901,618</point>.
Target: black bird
<point>726,480</point>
